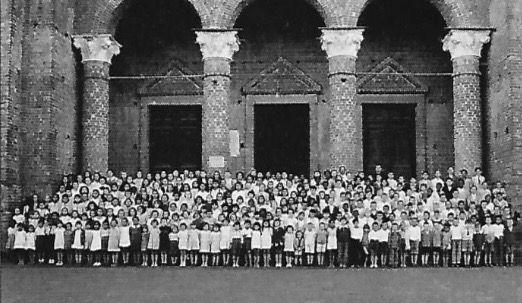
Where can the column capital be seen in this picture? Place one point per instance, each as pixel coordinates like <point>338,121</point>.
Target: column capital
<point>97,47</point>
<point>341,41</point>
<point>465,42</point>
<point>217,43</point>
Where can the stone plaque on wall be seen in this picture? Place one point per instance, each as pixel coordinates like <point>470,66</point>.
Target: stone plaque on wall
<point>216,161</point>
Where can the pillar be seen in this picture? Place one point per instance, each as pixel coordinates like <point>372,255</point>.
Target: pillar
<point>97,52</point>
<point>217,48</point>
<point>465,46</point>
<point>341,46</point>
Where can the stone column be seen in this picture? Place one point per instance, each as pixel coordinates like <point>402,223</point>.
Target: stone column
<point>341,46</point>
<point>217,48</point>
<point>97,52</point>
<point>464,47</point>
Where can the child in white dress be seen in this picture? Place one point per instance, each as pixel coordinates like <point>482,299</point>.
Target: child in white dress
<point>59,243</point>
<point>215,239</point>
<point>183,244</point>
<point>256,243</point>
<point>96,244</point>
<point>331,244</point>
<point>225,241</point>
<point>193,240</point>
<point>289,245</point>
<point>204,240</point>
<point>30,244</point>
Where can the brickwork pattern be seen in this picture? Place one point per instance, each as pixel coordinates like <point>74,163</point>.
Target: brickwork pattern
<point>345,115</point>
<point>215,111</point>
<point>467,117</point>
<point>95,116</point>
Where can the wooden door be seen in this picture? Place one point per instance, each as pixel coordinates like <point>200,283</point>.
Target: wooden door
<point>389,138</point>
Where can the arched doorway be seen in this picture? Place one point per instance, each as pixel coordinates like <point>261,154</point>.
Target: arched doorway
<point>279,73</point>
<point>156,121</point>
<point>407,114</point>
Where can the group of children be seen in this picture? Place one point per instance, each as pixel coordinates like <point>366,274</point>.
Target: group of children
<point>335,219</point>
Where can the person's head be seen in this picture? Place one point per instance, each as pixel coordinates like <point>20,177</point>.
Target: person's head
<point>206,226</point>
<point>289,229</point>
<point>193,225</point>
<point>96,225</point>
<point>322,226</point>
<point>366,228</point>
<point>114,223</point>
<point>183,226</point>
<point>154,223</point>
<point>257,226</point>
<point>498,220</point>
<point>145,228</point>
<point>375,226</point>
<point>68,226</point>
<point>215,228</point>
<point>78,225</point>
<point>343,220</point>
<point>299,234</point>
<point>395,227</point>
<point>236,226</point>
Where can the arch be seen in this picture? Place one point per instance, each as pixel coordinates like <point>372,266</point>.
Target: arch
<point>227,17</point>
<point>108,13</point>
<point>452,11</point>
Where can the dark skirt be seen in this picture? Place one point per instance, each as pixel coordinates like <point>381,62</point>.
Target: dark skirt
<point>236,247</point>
<point>135,245</point>
<point>104,243</point>
<point>174,249</point>
<point>40,243</point>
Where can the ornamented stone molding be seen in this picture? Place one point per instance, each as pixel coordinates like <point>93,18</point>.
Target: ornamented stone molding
<point>281,77</point>
<point>97,47</point>
<point>217,44</point>
<point>465,42</point>
<point>341,42</point>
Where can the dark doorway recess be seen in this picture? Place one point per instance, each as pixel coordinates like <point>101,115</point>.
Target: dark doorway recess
<point>389,138</point>
<point>282,138</point>
<point>175,137</point>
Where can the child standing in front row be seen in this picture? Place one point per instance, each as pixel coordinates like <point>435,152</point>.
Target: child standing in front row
<point>236,239</point>
<point>225,241</point>
<point>266,242</point>
<point>68,240</point>
<point>215,238</point>
<point>174,245</point>
<point>204,249</point>
<point>456,243</point>
<point>299,247</point>
<point>96,244</point>
<point>374,244</point>
<point>426,237</point>
<point>436,243</point>
<point>59,242</point>
<point>104,234</point>
<point>394,241</point>
<point>446,245</point>
<point>289,245</point>
<point>321,239</point>
<point>331,244</point>
<point>478,244</point>
<point>256,243</point>
<point>183,244</point>
<point>30,244</point>
<point>277,242</point>
<point>78,240</point>
<point>19,243</point>
<point>509,241</point>
<point>193,240</point>
<point>40,241</point>
<point>365,243</point>
<point>114,241</point>
<point>309,242</point>
<point>154,241</point>
<point>414,237</point>
<point>467,242</point>
<point>145,235</point>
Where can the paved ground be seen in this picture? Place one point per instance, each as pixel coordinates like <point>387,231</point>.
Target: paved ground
<point>34,284</point>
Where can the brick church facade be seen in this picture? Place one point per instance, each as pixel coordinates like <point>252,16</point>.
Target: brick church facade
<point>299,85</point>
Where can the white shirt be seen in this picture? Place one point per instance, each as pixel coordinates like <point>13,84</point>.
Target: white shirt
<point>124,236</point>
<point>413,233</point>
<point>256,239</point>
<point>356,233</point>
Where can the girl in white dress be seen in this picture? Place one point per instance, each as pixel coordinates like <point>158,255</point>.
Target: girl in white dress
<point>125,242</point>
<point>266,242</point>
<point>114,242</point>
<point>96,244</point>
<point>30,244</point>
<point>19,242</point>
<point>289,245</point>
<point>215,238</point>
<point>256,243</point>
<point>59,243</point>
<point>204,249</point>
<point>225,240</point>
<point>331,244</point>
<point>78,239</point>
<point>193,236</point>
<point>183,244</point>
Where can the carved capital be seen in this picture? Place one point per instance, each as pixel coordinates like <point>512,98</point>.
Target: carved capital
<point>97,47</point>
<point>341,42</point>
<point>217,44</point>
<point>462,42</point>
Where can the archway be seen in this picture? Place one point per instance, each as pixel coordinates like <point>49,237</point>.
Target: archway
<point>402,45</point>
<point>156,121</point>
<point>280,68</point>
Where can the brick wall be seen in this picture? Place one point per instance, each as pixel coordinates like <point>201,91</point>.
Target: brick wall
<point>504,109</point>
<point>11,58</point>
<point>49,92</point>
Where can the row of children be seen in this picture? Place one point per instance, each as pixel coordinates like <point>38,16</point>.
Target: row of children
<point>339,243</point>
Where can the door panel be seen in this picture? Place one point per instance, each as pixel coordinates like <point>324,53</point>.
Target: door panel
<point>282,138</point>
<point>389,138</point>
<point>175,137</point>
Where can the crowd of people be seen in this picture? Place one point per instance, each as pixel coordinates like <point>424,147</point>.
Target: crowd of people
<point>334,219</point>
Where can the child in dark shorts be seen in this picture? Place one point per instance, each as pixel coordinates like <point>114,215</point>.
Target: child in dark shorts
<point>509,242</point>
<point>436,243</point>
<point>478,244</point>
<point>426,242</point>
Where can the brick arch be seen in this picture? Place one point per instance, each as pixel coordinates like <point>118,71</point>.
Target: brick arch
<point>226,14</point>
<point>454,12</point>
<point>107,13</point>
